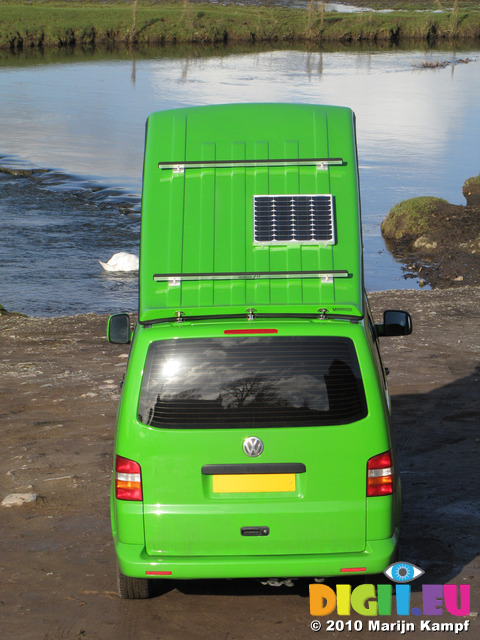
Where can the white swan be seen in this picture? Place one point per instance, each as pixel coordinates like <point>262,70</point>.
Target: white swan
<point>121,262</point>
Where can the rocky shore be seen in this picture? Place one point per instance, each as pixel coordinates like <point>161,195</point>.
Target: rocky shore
<point>439,242</point>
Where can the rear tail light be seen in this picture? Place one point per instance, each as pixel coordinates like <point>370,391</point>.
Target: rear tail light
<point>380,475</point>
<point>128,479</point>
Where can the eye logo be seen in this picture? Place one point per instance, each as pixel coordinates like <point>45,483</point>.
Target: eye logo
<point>403,572</point>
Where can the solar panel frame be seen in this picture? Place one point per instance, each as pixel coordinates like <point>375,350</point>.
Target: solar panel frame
<point>293,219</point>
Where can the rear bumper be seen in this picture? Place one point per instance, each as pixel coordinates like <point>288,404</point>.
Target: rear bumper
<point>134,562</point>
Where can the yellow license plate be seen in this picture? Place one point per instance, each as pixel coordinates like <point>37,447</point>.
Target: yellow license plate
<point>254,483</point>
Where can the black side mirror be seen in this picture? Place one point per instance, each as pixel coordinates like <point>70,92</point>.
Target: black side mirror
<point>395,323</point>
<point>118,328</point>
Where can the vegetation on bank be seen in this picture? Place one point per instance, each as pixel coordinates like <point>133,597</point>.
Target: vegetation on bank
<point>439,241</point>
<point>411,218</point>
<point>472,181</point>
<point>471,190</point>
<point>78,22</point>
<point>4,312</point>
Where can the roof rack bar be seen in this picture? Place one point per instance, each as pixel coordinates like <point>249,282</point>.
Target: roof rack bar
<point>175,279</point>
<point>181,165</point>
<point>320,315</point>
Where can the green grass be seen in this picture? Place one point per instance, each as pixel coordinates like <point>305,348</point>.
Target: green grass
<point>41,23</point>
<point>472,180</point>
<point>411,218</point>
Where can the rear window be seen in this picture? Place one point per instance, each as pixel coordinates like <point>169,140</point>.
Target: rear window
<point>251,382</point>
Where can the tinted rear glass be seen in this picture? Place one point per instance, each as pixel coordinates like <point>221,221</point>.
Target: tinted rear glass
<point>251,381</point>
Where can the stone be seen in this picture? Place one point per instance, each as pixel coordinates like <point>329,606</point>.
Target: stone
<point>17,499</point>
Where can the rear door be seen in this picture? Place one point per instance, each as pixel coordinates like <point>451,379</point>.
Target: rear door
<point>253,445</point>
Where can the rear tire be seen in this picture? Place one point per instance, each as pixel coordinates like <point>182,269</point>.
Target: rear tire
<point>134,588</point>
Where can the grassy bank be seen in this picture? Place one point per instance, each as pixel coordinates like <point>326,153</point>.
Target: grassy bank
<point>72,23</point>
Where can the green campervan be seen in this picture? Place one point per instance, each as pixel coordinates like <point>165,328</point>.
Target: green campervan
<point>253,435</point>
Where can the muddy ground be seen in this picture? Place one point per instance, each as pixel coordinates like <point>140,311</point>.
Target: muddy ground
<point>60,385</point>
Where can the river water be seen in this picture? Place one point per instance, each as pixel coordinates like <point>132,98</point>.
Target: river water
<point>80,120</point>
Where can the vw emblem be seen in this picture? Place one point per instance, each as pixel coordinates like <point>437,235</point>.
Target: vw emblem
<point>253,447</point>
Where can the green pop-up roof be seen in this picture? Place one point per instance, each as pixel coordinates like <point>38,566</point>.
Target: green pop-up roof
<point>250,205</point>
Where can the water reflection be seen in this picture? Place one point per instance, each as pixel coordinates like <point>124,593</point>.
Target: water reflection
<point>338,7</point>
<point>82,115</point>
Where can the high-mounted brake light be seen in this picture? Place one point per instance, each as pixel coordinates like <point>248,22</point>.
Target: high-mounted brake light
<point>230,332</point>
<point>128,479</point>
<point>380,475</point>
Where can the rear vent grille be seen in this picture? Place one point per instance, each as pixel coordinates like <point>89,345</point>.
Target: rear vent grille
<point>293,218</point>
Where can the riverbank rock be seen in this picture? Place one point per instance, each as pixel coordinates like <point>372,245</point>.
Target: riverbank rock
<point>439,242</point>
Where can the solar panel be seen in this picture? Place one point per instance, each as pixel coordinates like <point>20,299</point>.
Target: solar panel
<point>278,219</point>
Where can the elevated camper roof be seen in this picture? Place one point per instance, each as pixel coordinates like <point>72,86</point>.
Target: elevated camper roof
<point>250,206</point>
